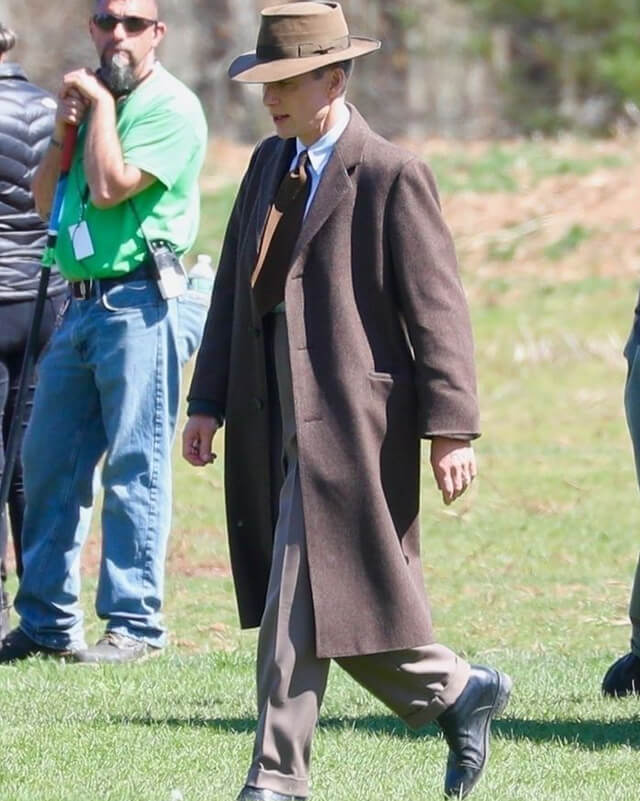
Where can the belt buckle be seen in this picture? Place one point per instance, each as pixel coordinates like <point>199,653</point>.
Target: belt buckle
<point>84,287</point>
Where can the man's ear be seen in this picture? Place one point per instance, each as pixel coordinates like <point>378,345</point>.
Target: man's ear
<point>159,33</point>
<point>337,82</point>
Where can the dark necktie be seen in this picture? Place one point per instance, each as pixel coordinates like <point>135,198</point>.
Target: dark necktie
<point>280,235</point>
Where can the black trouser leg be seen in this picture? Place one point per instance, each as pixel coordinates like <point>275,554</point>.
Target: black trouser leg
<point>15,322</point>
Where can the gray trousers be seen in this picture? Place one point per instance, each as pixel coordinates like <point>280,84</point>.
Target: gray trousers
<point>415,683</point>
<point>632,411</point>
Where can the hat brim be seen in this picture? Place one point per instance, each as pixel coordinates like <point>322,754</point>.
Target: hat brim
<point>248,68</point>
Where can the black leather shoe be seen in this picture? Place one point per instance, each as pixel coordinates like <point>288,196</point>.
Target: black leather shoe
<point>258,794</point>
<point>466,727</point>
<point>16,646</point>
<point>623,677</point>
<point>114,649</point>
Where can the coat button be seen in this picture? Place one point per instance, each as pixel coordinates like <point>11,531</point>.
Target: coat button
<point>258,403</point>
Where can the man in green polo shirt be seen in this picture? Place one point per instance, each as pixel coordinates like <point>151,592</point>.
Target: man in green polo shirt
<point>162,131</point>
<point>110,382</point>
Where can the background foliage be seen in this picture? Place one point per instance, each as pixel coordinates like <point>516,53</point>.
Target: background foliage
<point>577,60</point>
<point>455,68</point>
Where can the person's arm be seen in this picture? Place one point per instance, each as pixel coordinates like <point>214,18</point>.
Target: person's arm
<point>434,309</point>
<point>109,178</point>
<point>72,108</point>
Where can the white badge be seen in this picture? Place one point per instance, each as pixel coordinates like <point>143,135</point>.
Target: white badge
<point>81,240</point>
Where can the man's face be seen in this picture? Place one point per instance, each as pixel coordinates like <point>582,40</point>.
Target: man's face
<point>299,106</point>
<point>126,55</point>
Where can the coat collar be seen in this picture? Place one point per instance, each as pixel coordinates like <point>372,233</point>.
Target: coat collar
<point>336,178</point>
<point>10,69</point>
<point>335,182</point>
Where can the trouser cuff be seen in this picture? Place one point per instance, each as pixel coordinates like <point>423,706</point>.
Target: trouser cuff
<point>635,638</point>
<point>277,782</point>
<point>449,695</point>
<point>634,603</point>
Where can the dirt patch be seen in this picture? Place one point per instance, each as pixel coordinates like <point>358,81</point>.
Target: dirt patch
<point>181,560</point>
<point>530,228</point>
<point>563,227</point>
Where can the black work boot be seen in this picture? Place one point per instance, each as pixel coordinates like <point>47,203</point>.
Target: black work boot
<point>466,726</point>
<point>623,677</point>
<point>17,646</point>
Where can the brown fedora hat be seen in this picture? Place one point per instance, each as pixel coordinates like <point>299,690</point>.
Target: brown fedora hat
<point>299,37</point>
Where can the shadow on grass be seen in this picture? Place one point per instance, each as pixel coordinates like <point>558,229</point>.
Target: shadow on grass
<point>592,735</point>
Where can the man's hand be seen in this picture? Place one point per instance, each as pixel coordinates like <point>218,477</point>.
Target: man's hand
<point>72,109</point>
<point>454,466</point>
<point>197,440</point>
<point>80,90</point>
<point>85,83</point>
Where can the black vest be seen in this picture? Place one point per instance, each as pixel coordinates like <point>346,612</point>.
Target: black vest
<point>26,122</point>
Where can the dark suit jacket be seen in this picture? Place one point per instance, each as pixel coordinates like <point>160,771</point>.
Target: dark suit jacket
<point>381,355</point>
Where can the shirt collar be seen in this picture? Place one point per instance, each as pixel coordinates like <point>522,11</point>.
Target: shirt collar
<point>9,69</point>
<point>320,151</point>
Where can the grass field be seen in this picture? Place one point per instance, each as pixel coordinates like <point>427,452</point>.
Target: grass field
<point>530,572</point>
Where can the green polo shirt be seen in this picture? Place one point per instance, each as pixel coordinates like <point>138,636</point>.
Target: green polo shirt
<point>162,131</point>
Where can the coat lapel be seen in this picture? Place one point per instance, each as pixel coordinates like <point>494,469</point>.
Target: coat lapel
<point>280,162</point>
<point>335,181</point>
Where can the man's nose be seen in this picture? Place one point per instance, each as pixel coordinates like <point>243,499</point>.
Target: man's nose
<point>269,96</point>
<point>119,32</point>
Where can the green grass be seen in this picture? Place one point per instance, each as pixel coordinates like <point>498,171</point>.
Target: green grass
<point>507,167</point>
<point>214,215</point>
<point>530,573</point>
<point>572,239</point>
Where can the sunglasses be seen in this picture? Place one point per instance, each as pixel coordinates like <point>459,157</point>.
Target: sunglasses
<point>108,23</point>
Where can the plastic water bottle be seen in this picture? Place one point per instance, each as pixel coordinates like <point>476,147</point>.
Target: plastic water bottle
<point>202,274</point>
<point>193,306</point>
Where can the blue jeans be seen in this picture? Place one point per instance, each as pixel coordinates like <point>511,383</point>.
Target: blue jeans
<point>193,306</point>
<point>109,385</point>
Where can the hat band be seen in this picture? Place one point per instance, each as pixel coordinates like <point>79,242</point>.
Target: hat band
<point>302,50</point>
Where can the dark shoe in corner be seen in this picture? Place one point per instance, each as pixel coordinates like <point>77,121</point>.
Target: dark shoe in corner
<point>17,646</point>
<point>623,677</point>
<point>467,726</point>
<point>115,649</point>
<point>258,794</point>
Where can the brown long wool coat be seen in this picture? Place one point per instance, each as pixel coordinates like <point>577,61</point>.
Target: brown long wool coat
<point>381,355</point>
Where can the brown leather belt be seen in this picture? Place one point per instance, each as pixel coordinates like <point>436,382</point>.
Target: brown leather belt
<point>94,287</point>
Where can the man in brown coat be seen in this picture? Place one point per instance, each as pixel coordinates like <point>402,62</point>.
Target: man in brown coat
<point>327,378</point>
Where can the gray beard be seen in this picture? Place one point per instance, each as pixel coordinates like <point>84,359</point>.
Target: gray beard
<point>118,75</point>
